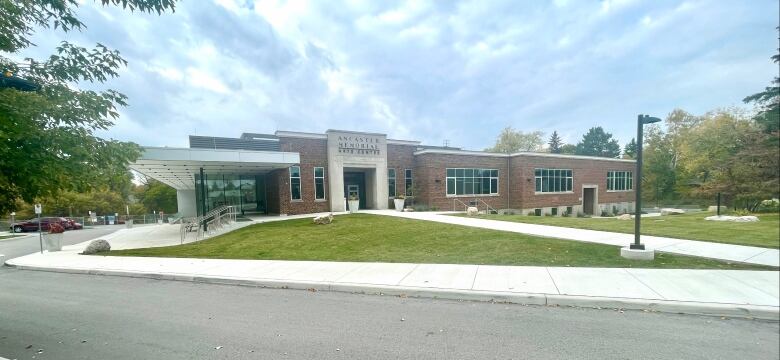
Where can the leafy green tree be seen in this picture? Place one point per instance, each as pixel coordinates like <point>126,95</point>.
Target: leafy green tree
<point>156,196</point>
<point>555,143</point>
<point>569,149</point>
<point>47,140</point>
<point>768,103</point>
<point>629,150</point>
<point>511,140</point>
<point>597,142</point>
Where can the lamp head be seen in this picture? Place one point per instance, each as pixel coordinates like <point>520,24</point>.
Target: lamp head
<point>647,119</point>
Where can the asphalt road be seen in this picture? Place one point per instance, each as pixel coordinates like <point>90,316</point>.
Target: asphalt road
<point>70,316</point>
<point>29,243</point>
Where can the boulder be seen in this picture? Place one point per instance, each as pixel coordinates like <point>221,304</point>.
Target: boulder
<point>714,208</point>
<point>472,211</point>
<point>97,246</point>
<point>748,218</point>
<point>323,219</point>
<point>672,211</point>
<point>625,217</point>
<point>408,209</point>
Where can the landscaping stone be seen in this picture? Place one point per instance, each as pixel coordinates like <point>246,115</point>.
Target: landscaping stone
<point>748,218</point>
<point>472,211</point>
<point>97,246</point>
<point>323,219</point>
<point>672,211</point>
<point>625,217</point>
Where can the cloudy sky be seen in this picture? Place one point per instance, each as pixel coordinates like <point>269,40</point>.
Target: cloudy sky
<point>425,70</point>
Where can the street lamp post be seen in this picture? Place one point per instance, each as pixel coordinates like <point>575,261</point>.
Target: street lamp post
<point>641,121</point>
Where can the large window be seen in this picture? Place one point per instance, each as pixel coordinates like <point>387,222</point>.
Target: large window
<point>554,180</point>
<point>391,182</point>
<point>408,182</point>
<point>319,183</point>
<point>472,181</point>
<point>295,182</point>
<point>620,180</point>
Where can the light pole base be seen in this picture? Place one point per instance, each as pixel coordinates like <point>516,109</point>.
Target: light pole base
<point>637,254</point>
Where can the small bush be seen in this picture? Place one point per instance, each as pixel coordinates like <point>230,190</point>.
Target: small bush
<point>741,212</point>
<point>769,206</point>
<point>580,214</point>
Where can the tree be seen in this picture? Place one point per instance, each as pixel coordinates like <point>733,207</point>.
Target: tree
<point>511,140</point>
<point>156,196</point>
<point>629,151</point>
<point>569,149</point>
<point>768,103</point>
<point>47,142</point>
<point>596,142</point>
<point>555,143</point>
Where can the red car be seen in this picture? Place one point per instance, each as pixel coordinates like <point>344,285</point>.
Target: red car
<point>74,225</point>
<point>32,225</point>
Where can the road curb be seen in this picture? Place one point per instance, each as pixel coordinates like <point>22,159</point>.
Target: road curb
<point>655,305</point>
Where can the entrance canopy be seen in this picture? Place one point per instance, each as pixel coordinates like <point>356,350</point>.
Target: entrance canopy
<point>177,167</point>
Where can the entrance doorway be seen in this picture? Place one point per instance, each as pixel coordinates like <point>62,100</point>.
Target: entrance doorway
<point>355,184</point>
<point>588,200</point>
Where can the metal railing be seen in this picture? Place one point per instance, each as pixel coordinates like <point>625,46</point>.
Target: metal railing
<point>475,202</point>
<point>208,224</point>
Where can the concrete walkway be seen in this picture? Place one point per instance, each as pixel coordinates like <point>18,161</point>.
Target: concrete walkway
<point>726,252</point>
<point>712,292</point>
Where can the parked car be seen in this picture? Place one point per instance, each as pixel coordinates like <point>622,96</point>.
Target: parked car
<point>32,225</point>
<point>74,225</point>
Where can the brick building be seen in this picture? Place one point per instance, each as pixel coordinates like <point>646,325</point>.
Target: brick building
<point>299,173</point>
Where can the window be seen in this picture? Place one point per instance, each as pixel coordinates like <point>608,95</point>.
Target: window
<point>391,182</point>
<point>295,182</point>
<point>554,180</point>
<point>319,183</point>
<point>472,181</point>
<point>408,182</point>
<point>620,180</point>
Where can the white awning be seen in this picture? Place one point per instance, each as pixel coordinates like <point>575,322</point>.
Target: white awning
<point>177,166</point>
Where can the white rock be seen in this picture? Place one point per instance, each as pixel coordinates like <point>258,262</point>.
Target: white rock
<point>97,246</point>
<point>323,219</point>
<point>625,217</point>
<point>672,211</point>
<point>472,211</point>
<point>714,208</point>
<point>748,218</point>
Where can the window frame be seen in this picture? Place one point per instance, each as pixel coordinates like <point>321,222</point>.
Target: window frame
<point>561,181</point>
<point>324,190</point>
<point>615,177</point>
<point>460,179</point>
<point>408,183</point>
<point>392,184</point>
<point>300,185</point>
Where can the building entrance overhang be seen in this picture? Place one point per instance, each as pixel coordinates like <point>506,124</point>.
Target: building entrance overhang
<point>177,167</point>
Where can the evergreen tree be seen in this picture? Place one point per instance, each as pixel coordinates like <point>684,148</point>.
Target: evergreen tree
<point>555,143</point>
<point>629,151</point>
<point>597,142</point>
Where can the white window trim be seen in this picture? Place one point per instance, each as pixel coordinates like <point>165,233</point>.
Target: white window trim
<point>554,192</point>
<point>626,180</point>
<point>498,183</point>
<point>289,173</point>
<point>324,189</point>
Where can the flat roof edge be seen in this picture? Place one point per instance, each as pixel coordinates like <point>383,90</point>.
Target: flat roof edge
<point>297,134</point>
<point>539,154</point>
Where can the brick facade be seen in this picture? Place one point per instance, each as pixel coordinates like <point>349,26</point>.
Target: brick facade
<point>516,178</point>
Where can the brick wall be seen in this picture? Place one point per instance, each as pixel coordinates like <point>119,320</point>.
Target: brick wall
<point>314,153</point>
<point>400,158</point>
<point>430,173</point>
<point>584,171</point>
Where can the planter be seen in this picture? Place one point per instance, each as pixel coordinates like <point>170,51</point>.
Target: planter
<point>354,205</point>
<point>129,223</point>
<point>399,204</point>
<point>53,241</point>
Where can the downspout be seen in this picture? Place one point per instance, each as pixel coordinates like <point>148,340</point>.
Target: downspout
<point>508,177</point>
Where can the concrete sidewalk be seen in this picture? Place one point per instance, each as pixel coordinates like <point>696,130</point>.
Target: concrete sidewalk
<point>711,292</point>
<point>726,252</point>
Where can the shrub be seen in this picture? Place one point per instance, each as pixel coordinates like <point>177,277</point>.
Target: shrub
<point>741,212</point>
<point>769,206</point>
<point>56,229</point>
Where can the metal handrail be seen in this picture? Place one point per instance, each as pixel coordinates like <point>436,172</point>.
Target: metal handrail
<point>488,208</point>
<point>454,201</point>
<point>208,223</point>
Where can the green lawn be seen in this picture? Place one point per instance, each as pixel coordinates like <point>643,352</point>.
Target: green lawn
<point>375,238</point>
<point>764,233</point>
